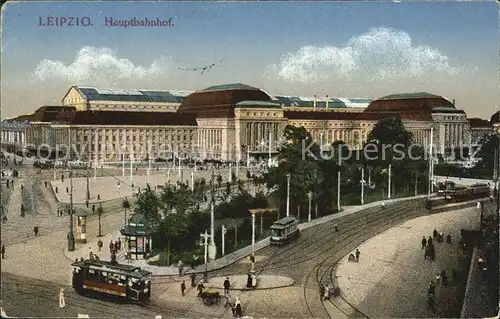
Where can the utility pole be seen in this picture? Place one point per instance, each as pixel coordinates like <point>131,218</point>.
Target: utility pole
<point>212,251</point>
<point>224,230</point>
<point>71,235</point>
<point>269,161</point>
<point>310,199</point>
<point>416,184</point>
<point>131,168</point>
<point>362,185</point>
<point>230,174</point>
<point>287,194</point>
<point>205,237</point>
<point>338,187</point>
<point>253,242</point>
<point>192,181</point>
<point>123,164</point>
<point>389,186</point>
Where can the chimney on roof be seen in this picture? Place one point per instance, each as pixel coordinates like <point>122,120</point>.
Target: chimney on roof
<point>314,102</point>
<point>453,102</point>
<point>327,102</point>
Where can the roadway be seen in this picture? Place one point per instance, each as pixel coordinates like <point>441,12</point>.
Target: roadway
<point>313,257</point>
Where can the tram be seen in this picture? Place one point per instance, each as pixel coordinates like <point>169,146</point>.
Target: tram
<point>458,193</point>
<point>284,231</point>
<point>105,279</point>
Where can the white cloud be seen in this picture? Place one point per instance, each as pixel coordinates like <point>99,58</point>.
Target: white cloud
<point>99,65</point>
<point>381,53</point>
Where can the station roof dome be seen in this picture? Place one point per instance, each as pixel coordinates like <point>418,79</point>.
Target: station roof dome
<point>220,100</point>
<point>413,102</point>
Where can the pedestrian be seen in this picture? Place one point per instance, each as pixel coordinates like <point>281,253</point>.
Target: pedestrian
<point>430,241</point>
<point>438,278</point>
<point>111,247</point>
<point>129,255</point>
<point>4,219</point>
<point>357,255</point>
<point>183,288</point>
<point>193,280</point>
<point>93,208</point>
<point>200,287</point>
<point>237,308</point>
<point>87,203</point>
<point>424,242</point>
<point>181,267</point>
<point>45,183</point>
<point>91,255</point>
<point>336,227</point>
<point>35,230</point>
<point>62,178</point>
<point>3,251</point>
<point>434,233</point>
<point>254,281</point>
<point>98,197</point>
<point>115,249</point>
<point>67,189</point>
<point>119,244</point>
<point>62,303</point>
<point>99,245</point>
<point>326,292</point>
<point>321,290</point>
<point>227,285</point>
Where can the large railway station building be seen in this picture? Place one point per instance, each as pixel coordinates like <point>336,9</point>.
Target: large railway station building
<point>226,122</point>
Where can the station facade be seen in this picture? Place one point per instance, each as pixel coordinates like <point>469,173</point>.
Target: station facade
<point>226,122</point>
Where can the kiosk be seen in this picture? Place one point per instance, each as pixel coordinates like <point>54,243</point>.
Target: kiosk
<point>138,235</point>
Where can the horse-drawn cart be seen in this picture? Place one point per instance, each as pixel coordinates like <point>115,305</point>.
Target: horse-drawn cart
<point>210,297</point>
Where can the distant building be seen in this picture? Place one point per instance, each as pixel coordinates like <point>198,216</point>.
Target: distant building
<point>479,128</point>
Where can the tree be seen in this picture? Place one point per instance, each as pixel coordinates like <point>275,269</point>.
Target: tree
<point>219,184</point>
<point>489,146</point>
<point>100,212</point>
<point>126,207</point>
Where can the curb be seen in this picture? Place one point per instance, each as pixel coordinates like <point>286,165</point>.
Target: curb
<point>467,288</point>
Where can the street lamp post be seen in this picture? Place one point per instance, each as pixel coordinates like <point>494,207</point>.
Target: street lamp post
<point>253,242</point>
<point>71,236</point>
<point>362,185</point>
<point>131,168</point>
<point>310,199</point>
<point>123,164</point>
<point>192,181</point>
<point>287,194</point>
<point>205,237</point>
<point>269,161</point>
<point>230,176</point>
<point>389,183</point>
<point>223,230</point>
<point>338,188</point>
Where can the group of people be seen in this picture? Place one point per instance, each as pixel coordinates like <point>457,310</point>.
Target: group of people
<point>326,291</point>
<point>200,287</point>
<point>428,244</point>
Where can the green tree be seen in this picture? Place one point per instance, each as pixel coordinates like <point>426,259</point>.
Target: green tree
<point>486,165</point>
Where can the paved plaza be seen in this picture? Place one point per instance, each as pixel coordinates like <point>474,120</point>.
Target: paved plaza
<point>118,186</point>
<point>392,276</point>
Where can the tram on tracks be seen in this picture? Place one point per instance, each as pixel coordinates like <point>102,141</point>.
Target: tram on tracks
<point>458,193</point>
<point>112,280</point>
<point>284,231</point>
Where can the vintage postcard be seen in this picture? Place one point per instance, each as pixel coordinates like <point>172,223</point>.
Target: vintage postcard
<point>249,159</point>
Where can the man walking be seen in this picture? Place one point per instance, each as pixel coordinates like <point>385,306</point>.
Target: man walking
<point>3,251</point>
<point>227,285</point>
<point>183,288</point>
<point>424,242</point>
<point>357,255</point>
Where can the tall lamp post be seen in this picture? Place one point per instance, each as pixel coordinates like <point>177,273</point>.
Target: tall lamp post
<point>287,194</point>
<point>389,183</point>
<point>338,187</point>
<point>253,241</point>
<point>205,237</point>
<point>224,231</point>
<point>363,185</point>
<point>71,235</point>
<point>310,199</point>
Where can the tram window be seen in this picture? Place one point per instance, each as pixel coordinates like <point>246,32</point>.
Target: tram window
<point>277,232</point>
<point>93,275</point>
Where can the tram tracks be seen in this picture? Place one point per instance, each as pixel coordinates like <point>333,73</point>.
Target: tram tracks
<point>48,292</point>
<point>325,268</point>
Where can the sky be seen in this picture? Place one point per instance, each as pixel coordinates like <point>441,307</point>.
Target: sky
<point>339,49</point>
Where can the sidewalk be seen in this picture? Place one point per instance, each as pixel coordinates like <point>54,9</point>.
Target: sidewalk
<point>229,259</point>
<point>391,277</point>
